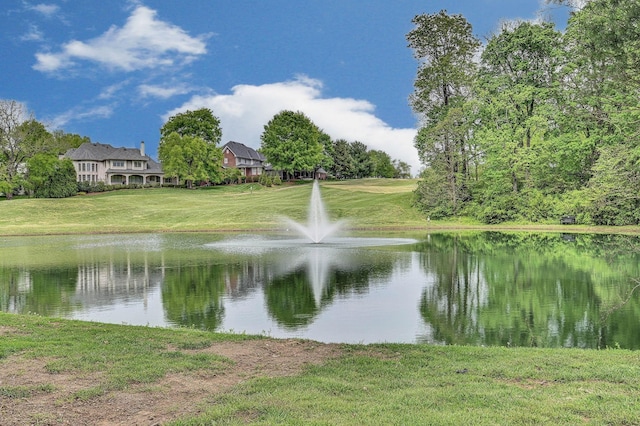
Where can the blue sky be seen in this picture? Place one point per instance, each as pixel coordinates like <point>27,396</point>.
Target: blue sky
<point>116,70</point>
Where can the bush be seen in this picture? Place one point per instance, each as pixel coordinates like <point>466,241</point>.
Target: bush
<point>432,197</point>
<point>103,187</point>
<point>265,180</point>
<point>534,206</point>
<point>495,210</point>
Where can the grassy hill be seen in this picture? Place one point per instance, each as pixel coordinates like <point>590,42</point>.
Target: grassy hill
<point>368,203</point>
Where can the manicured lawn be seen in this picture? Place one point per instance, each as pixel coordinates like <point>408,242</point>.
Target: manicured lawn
<point>371,204</point>
<point>237,207</point>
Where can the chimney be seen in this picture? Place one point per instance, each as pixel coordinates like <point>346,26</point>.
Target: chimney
<point>142,148</point>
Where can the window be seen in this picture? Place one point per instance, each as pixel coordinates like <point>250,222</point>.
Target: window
<point>82,167</point>
<point>137,164</point>
<point>93,167</point>
<point>226,160</point>
<point>117,163</point>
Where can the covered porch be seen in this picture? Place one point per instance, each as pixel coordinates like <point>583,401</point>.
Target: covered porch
<point>134,179</point>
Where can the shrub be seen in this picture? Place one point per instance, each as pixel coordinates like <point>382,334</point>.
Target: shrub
<point>265,180</point>
<point>495,210</point>
<point>535,206</point>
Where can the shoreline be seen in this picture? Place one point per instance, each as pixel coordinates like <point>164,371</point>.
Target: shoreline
<point>568,229</point>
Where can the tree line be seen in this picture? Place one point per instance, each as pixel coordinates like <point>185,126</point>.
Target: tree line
<point>29,155</point>
<point>188,151</point>
<point>290,142</point>
<point>533,124</point>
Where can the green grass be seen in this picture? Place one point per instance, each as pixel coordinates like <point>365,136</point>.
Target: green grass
<point>24,391</point>
<point>374,204</point>
<point>373,384</point>
<point>444,385</point>
<point>236,207</point>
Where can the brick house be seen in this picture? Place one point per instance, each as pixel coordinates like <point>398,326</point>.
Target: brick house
<point>249,161</point>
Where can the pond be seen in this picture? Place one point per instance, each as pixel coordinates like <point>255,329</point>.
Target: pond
<point>468,288</point>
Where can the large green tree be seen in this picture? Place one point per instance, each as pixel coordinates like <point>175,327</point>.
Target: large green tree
<point>291,142</point>
<point>382,165</point>
<point>517,82</point>
<point>518,92</point>
<point>21,137</point>
<point>190,159</point>
<point>606,32</point>
<point>603,106</point>
<point>200,123</point>
<point>188,147</point>
<point>362,164</point>
<point>62,141</point>
<point>444,46</point>
<point>342,167</point>
<point>49,177</point>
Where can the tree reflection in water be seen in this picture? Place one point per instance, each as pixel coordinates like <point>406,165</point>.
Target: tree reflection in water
<point>521,289</point>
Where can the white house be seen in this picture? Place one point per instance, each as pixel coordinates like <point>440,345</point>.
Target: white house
<point>96,162</point>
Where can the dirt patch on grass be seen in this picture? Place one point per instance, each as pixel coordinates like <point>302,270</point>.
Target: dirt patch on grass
<point>6,330</point>
<point>48,399</point>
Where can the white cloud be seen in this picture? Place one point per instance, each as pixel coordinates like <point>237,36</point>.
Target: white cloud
<point>162,92</point>
<point>49,62</point>
<point>143,42</point>
<point>78,114</point>
<point>245,112</point>
<point>34,34</point>
<point>112,90</point>
<point>47,10</point>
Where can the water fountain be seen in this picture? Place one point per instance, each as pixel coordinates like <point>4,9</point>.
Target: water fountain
<point>318,226</point>
<point>318,248</point>
<point>318,230</point>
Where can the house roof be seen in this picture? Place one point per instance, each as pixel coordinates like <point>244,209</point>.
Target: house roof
<point>242,151</point>
<point>154,166</point>
<point>101,152</point>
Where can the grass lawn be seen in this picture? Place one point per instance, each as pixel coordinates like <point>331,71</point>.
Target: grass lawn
<point>373,204</point>
<point>237,207</point>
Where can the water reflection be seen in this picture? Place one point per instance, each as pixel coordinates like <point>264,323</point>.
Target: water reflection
<point>532,290</point>
<point>314,276</point>
<point>481,288</point>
